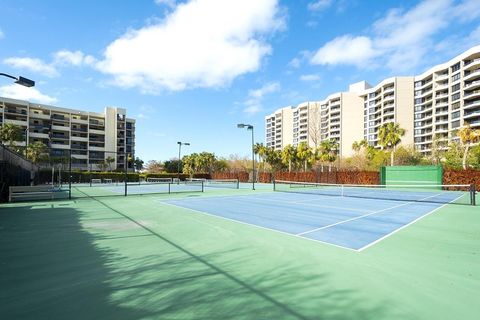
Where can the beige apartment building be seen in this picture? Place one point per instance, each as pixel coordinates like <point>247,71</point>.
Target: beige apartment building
<point>389,101</point>
<point>430,107</point>
<point>91,137</point>
<point>447,97</point>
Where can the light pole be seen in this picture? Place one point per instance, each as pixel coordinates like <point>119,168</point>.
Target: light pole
<point>20,80</point>
<point>179,153</point>
<point>250,127</point>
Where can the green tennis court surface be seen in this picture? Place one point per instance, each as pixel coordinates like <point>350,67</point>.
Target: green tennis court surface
<point>139,257</point>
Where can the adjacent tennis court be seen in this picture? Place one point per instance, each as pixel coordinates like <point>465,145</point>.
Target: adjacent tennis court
<point>304,251</point>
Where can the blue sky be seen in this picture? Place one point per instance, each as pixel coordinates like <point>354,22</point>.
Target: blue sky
<point>191,70</point>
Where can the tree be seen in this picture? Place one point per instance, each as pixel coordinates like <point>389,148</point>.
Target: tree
<point>274,159</point>
<point>328,152</point>
<point>304,154</point>
<point>453,156</point>
<point>10,133</point>
<point>314,126</point>
<point>108,161</point>
<point>154,166</point>
<point>189,164</point>
<point>389,136</point>
<point>36,151</point>
<point>172,165</point>
<point>437,152</point>
<point>408,156</point>
<point>138,163</point>
<point>260,150</point>
<point>357,146</point>
<point>288,155</point>
<point>468,137</point>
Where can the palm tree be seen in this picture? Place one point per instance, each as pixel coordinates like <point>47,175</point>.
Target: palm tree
<point>260,150</point>
<point>109,160</point>
<point>357,146</point>
<point>468,136</point>
<point>10,133</point>
<point>288,156</point>
<point>304,153</point>
<point>36,150</point>
<point>328,152</point>
<point>389,136</point>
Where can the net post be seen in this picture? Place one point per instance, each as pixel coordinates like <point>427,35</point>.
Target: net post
<point>126,174</point>
<point>70,175</point>
<point>472,194</point>
<point>169,185</point>
<point>238,184</point>
<point>273,180</point>
<point>202,185</point>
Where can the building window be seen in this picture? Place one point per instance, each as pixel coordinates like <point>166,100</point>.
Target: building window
<point>455,124</point>
<point>455,114</point>
<point>418,93</point>
<point>418,100</point>
<point>418,84</point>
<point>456,87</point>
<point>371,95</point>
<point>456,67</point>
<point>456,96</point>
<point>455,77</point>
<point>455,105</point>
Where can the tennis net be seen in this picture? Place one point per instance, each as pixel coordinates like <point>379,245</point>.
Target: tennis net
<point>457,194</point>
<point>223,183</point>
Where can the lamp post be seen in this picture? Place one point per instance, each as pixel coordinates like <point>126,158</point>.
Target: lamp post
<point>20,80</point>
<point>179,153</point>
<point>250,127</point>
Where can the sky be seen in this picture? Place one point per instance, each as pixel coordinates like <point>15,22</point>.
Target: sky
<point>191,70</point>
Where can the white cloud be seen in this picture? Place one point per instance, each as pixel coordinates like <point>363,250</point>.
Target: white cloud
<point>310,77</point>
<point>319,5</point>
<point>33,65</point>
<point>2,35</point>
<point>168,3</point>
<point>345,49</point>
<point>75,58</point>
<point>202,43</point>
<point>254,102</point>
<point>400,39</point>
<point>15,91</point>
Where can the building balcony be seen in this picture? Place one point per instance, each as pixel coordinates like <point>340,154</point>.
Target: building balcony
<point>55,145</point>
<point>472,75</point>
<point>39,115</point>
<point>472,114</point>
<point>15,111</point>
<point>94,148</point>
<point>16,121</point>
<point>472,64</point>
<point>38,135</point>
<point>80,121</point>
<point>96,131</point>
<point>471,104</point>
<point>60,128</point>
<point>472,85</point>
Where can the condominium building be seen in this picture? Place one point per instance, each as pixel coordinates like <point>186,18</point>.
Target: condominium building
<point>279,128</point>
<point>447,97</point>
<point>315,121</point>
<point>91,137</point>
<point>430,107</point>
<point>389,101</point>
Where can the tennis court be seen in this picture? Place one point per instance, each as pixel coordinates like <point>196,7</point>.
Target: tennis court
<point>240,254</point>
<point>353,219</point>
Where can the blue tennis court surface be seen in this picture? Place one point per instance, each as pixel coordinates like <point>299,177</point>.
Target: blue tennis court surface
<point>348,222</point>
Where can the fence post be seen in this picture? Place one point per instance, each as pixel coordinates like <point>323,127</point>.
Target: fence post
<point>473,192</point>
<point>70,175</point>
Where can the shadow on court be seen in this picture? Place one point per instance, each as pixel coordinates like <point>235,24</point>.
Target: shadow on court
<point>53,267</point>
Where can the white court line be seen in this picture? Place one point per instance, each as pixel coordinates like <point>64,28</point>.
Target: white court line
<point>257,226</point>
<point>363,216</point>
<point>408,224</point>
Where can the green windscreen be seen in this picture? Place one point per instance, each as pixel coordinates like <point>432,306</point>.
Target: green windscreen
<point>425,175</point>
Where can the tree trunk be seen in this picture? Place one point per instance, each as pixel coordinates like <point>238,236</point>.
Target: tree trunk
<point>465,154</point>
<point>289,166</point>
<point>391,158</point>
<point>305,169</point>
